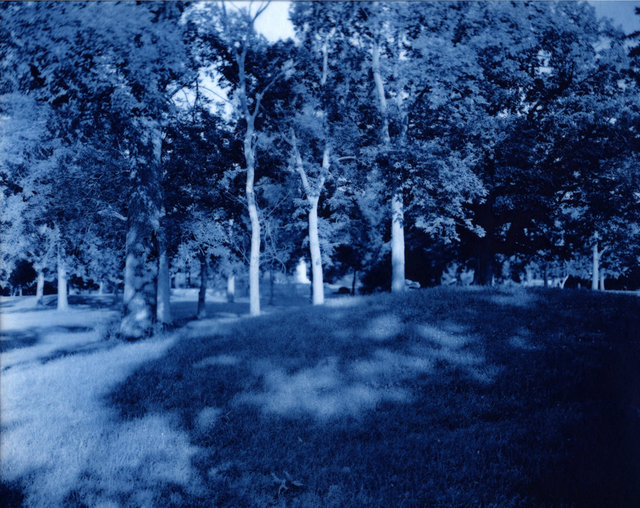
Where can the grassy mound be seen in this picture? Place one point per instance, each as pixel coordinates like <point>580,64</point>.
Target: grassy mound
<point>438,397</point>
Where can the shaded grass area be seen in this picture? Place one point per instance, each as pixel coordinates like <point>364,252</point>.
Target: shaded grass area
<point>435,398</point>
<point>438,397</point>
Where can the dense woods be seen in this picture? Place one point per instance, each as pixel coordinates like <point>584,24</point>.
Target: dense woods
<point>434,142</point>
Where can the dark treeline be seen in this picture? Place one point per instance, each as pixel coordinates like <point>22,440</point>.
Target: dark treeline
<point>436,142</point>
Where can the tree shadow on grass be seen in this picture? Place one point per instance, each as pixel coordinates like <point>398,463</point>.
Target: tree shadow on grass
<point>49,302</point>
<point>511,400</point>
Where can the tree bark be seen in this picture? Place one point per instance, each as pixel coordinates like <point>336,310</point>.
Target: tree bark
<point>163,282</point>
<point>254,257</point>
<point>139,279</point>
<point>397,244</point>
<point>40,287</point>
<point>313,196</point>
<point>596,266</point>
<point>231,288</point>
<point>397,205</point>
<point>316,256</point>
<point>63,301</point>
<point>163,309</point>
<point>353,282</point>
<point>202,292</point>
<point>602,288</point>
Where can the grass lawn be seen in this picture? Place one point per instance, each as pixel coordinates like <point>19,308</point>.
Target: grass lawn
<point>438,397</point>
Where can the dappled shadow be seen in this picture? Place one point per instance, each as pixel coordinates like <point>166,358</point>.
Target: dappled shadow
<point>16,339</point>
<point>436,398</point>
<point>49,302</point>
<point>407,391</point>
<point>186,310</point>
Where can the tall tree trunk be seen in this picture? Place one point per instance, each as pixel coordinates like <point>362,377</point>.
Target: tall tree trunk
<point>202,293</point>
<point>254,257</point>
<point>231,288</point>
<point>101,288</point>
<point>163,281</point>
<point>312,193</point>
<point>316,256</point>
<point>40,287</point>
<point>144,243</point>
<point>63,302</point>
<point>596,267</point>
<point>602,288</point>
<point>397,205</point>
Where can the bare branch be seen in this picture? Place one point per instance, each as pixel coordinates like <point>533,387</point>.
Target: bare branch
<point>112,213</point>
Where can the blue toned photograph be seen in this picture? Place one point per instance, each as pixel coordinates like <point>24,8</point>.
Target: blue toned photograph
<point>319,254</point>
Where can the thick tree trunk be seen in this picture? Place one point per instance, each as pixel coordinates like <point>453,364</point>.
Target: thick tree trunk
<point>202,293</point>
<point>40,287</point>
<point>596,267</point>
<point>139,281</point>
<point>316,256</point>
<point>145,243</point>
<point>63,301</point>
<point>231,288</point>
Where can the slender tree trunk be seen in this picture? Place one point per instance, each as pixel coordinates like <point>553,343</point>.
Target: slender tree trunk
<point>202,293</point>
<point>231,288</point>
<point>397,205</point>
<point>271,286</point>
<point>163,309</point>
<point>353,282</point>
<point>101,288</point>
<point>397,244</point>
<point>596,267</point>
<point>63,302</point>
<point>544,275</point>
<point>602,288</point>
<point>564,281</point>
<point>316,256</point>
<point>20,290</point>
<point>163,282</point>
<point>254,257</point>
<point>40,287</point>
